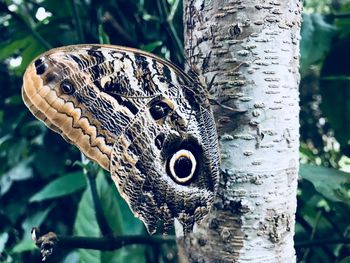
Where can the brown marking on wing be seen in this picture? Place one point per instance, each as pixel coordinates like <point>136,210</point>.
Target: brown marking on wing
<point>63,118</point>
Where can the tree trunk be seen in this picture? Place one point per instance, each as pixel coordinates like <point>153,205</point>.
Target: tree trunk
<point>252,49</point>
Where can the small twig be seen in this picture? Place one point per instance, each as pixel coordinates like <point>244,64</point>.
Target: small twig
<point>108,18</point>
<point>167,18</point>
<point>50,242</point>
<point>307,227</point>
<point>77,21</point>
<point>175,36</point>
<point>100,216</point>
<point>337,78</point>
<point>318,242</point>
<point>173,10</point>
<point>329,217</point>
<point>161,8</point>
<point>172,30</point>
<point>340,15</point>
<point>312,236</point>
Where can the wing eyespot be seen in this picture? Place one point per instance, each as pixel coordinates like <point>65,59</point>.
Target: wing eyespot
<point>159,110</point>
<point>40,66</point>
<point>50,77</point>
<point>182,166</point>
<point>67,87</point>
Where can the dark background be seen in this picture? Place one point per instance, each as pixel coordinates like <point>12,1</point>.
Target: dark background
<point>41,184</point>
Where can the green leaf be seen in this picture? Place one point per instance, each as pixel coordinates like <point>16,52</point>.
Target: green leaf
<point>1,117</point>
<point>345,260</point>
<point>28,54</point>
<point>9,49</point>
<point>15,151</point>
<point>86,225</point>
<point>49,163</point>
<point>151,46</point>
<point>102,36</point>
<point>148,17</point>
<point>131,224</point>
<point>24,245</point>
<point>316,39</point>
<point>330,183</point>
<point>20,172</point>
<point>85,222</point>
<point>3,239</point>
<point>72,257</point>
<point>5,138</point>
<point>14,100</point>
<point>63,185</point>
<point>334,88</point>
<point>130,254</point>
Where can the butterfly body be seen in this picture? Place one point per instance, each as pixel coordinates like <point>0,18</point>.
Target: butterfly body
<point>139,117</point>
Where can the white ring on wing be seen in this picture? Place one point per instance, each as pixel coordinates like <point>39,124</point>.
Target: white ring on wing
<point>187,154</point>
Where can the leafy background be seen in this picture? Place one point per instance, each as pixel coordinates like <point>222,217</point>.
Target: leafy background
<point>47,189</point>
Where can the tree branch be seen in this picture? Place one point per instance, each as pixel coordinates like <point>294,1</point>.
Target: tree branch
<point>110,242</point>
<point>50,242</point>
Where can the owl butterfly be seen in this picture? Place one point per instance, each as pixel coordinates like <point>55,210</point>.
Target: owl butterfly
<point>141,118</point>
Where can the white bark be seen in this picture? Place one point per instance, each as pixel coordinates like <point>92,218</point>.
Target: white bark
<point>252,46</point>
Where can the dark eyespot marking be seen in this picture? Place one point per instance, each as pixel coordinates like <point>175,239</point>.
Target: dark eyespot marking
<point>159,141</point>
<point>40,66</point>
<point>67,87</point>
<point>159,110</point>
<point>50,76</point>
<point>182,166</point>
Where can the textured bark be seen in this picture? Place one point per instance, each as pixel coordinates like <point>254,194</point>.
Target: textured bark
<point>252,49</point>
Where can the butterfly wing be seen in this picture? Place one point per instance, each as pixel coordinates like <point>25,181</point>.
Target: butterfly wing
<point>138,116</point>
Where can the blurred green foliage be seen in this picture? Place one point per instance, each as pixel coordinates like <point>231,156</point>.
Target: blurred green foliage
<point>44,188</point>
<point>324,188</point>
<point>41,187</point>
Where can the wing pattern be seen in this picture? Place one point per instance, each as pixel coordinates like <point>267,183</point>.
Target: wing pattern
<point>138,116</point>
